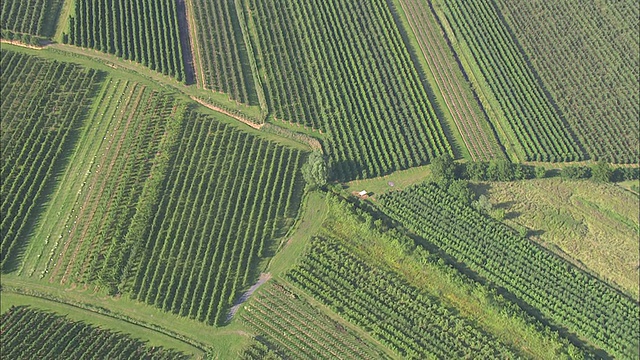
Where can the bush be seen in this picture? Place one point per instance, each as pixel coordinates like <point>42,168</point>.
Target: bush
<point>314,171</point>
<point>601,172</point>
<point>575,172</point>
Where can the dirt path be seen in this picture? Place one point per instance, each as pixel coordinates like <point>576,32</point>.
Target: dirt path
<point>264,277</point>
<point>215,108</point>
<point>184,28</point>
<point>18,43</point>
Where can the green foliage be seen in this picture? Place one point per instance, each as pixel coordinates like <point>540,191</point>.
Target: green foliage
<point>144,32</point>
<point>575,172</point>
<point>536,277</point>
<point>321,72</point>
<point>460,190</point>
<point>33,334</point>
<point>501,170</point>
<point>314,171</point>
<point>483,204</point>
<point>540,172</point>
<point>601,172</point>
<point>476,171</point>
<point>443,169</point>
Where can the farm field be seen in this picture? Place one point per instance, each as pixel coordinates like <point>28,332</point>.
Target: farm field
<point>30,332</point>
<point>35,17</point>
<point>297,329</point>
<point>103,185</point>
<point>374,123</point>
<point>272,179</point>
<point>586,54</point>
<point>595,225</point>
<point>565,294</point>
<point>43,102</point>
<point>224,56</point>
<point>470,120</point>
<point>141,31</point>
<point>528,112</point>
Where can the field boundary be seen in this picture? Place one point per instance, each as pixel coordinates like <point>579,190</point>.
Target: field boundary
<point>105,312</point>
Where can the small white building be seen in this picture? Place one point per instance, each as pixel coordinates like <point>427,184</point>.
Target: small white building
<point>363,193</point>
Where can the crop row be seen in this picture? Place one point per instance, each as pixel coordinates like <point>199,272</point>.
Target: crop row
<point>33,334</point>
<point>225,198</point>
<point>529,112</point>
<point>114,161</point>
<point>560,291</point>
<point>412,324</point>
<point>144,31</point>
<point>42,104</point>
<point>587,55</point>
<point>362,90</point>
<point>458,97</point>
<point>36,17</point>
<point>295,325</point>
<point>222,48</point>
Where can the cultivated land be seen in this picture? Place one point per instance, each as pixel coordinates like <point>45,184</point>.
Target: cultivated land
<point>587,56</point>
<point>529,114</point>
<point>468,117</point>
<point>154,197</point>
<point>595,225</point>
<point>321,73</point>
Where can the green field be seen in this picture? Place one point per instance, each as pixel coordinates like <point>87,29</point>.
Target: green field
<point>184,179</point>
<point>593,225</point>
<point>585,53</point>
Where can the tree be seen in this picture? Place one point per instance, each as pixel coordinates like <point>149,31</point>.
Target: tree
<point>314,171</point>
<point>483,204</point>
<point>461,191</point>
<point>601,172</point>
<point>500,170</point>
<point>541,172</point>
<point>575,172</point>
<point>476,171</point>
<point>443,170</point>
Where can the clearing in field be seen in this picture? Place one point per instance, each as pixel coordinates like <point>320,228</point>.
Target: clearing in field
<point>593,224</point>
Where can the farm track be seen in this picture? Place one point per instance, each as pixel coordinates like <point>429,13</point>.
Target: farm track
<point>186,39</point>
<point>465,118</point>
<point>222,111</point>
